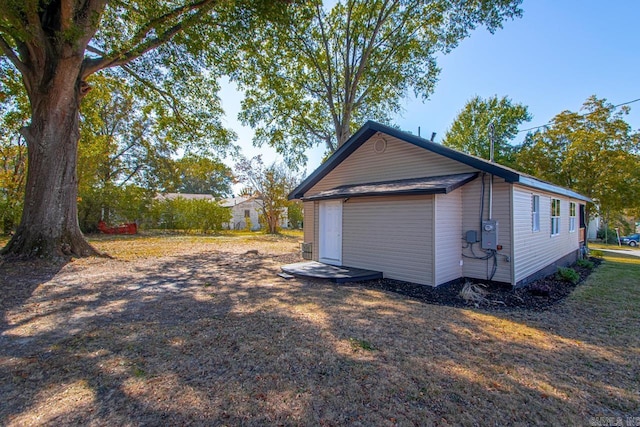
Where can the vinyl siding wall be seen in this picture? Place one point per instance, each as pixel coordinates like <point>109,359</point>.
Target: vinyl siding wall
<point>308,226</point>
<point>365,218</point>
<point>239,221</point>
<point>400,160</point>
<point>448,231</point>
<point>471,195</point>
<point>535,250</point>
<point>390,234</point>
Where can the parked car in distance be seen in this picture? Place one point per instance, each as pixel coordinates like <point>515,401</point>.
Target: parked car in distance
<point>631,240</point>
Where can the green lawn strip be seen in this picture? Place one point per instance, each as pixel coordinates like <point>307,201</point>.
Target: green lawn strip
<point>612,292</point>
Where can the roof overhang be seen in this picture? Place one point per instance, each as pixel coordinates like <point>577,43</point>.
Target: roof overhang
<point>414,186</point>
<point>545,186</point>
<point>371,128</point>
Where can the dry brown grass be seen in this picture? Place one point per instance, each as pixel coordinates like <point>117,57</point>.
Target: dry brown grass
<point>188,330</point>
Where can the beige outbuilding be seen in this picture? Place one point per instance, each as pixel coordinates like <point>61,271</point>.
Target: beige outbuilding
<point>420,212</point>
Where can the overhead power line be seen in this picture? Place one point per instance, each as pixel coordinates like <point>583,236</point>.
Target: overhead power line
<point>549,123</point>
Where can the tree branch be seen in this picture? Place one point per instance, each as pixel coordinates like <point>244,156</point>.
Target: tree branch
<point>325,42</point>
<point>368,48</point>
<point>152,24</point>
<point>91,65</point>
<point>167,96</point>
<point>171,100</point>
<point>86,18</point>
<point>131,175</point>
<point>306,124</point>
<point>6,49</point>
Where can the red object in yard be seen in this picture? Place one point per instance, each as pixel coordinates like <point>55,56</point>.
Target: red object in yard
<point>131,228</point>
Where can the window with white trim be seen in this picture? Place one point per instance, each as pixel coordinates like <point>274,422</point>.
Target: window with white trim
<point>572,217</point>
<point>555,217</point>
<point>535,213</point>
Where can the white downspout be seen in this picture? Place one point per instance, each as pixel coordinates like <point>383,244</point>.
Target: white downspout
<point>491,159</point>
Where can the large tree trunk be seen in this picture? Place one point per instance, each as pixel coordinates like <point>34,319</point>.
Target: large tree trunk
<point>49,226</point>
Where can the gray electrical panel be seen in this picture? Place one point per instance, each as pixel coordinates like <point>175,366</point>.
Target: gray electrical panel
<point>472,236</point>
<point>490,234</point>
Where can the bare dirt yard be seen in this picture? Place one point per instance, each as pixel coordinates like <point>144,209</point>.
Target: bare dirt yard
<point>182,330</point>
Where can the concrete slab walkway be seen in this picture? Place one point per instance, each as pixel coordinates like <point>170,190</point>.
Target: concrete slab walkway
<point>335,274</point>
<point>630,252</point>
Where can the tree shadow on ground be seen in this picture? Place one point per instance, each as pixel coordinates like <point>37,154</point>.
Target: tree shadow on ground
<point>217,339</point>
<point>18,280</point>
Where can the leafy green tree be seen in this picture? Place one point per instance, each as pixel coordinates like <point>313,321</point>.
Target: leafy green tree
<point>295,213</point>
<point>117,156</point>
<point>203,175</point>
<point>272,184</point>
<point>114,204</point>
<point>317,79</point>
<point>188,215</point>
<point>13,149</point>
<point>594,152</point>
<point>172,48</point>
<point>470,131</point>
<point>119,140</point>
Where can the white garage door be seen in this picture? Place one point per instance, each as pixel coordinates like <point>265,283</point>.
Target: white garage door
<point>390,234</point>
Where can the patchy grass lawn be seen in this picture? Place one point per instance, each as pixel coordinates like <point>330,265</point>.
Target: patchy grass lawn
<point>157,245</point>
<point>625,248</point>
<point>195,330</point>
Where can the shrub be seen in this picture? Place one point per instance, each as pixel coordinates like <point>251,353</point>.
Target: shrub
<point>585,263</point>
<point>608,236</point>
<point>295,214</point>
<point>539,289</point>
<point>596,253</point>
<point>185,214</point>
<point>568,275</point>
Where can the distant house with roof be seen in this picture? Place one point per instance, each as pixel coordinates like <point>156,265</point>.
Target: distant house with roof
<point>244,209</point>
<point>247,210</point>
<point>187,196</point>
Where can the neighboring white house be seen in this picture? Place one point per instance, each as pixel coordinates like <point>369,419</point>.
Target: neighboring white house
<point>390,201</point>
<point>186,196</point>
<point>245,209</point>
<point>592,229</point>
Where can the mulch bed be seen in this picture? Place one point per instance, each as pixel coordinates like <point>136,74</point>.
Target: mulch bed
<point>497,297</point>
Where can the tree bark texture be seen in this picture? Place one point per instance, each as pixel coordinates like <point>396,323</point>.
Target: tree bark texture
<point>49,227</point>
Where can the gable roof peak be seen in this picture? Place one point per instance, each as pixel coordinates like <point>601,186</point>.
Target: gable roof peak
<point>371,128</point>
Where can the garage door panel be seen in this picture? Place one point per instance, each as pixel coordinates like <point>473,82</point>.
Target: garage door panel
<point>392,234</point>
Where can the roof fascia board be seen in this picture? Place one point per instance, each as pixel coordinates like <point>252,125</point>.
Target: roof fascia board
<point>334,160</point>
<point>459,184</point>
<point>438,190</point>
<point>378,194</point>
<point>545,186</point>
<point>477,163</point>
<point>370,128</point>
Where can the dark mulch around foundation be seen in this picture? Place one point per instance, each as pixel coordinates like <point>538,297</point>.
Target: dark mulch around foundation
<point>536,296</point>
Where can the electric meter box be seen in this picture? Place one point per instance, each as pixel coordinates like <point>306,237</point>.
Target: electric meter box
<point>490,234</point>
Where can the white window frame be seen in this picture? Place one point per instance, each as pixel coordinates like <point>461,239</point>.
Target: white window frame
<point>555,217</point>
<point>572,217</point>
<point>535,213</point>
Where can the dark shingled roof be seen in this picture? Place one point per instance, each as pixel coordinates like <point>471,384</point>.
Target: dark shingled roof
<point>371,128</point>
<point>429,185</point>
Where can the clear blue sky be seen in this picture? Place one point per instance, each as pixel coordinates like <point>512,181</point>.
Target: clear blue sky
<point>554,57</point>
